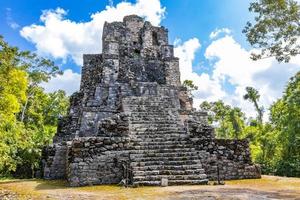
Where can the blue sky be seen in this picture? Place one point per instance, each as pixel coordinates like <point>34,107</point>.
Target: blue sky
<point>207,36</point>
<point>184,18</point>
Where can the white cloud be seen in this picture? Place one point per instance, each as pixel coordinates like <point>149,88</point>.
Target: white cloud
<point>186,53</point>
<point>10,21</point>
<point>62,38</point>
<point>68,82</point>
<point>208,89</point>
<point>231,65</point>
<point>217,32</point>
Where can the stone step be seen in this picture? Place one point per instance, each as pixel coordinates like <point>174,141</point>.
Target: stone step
<point>158,129</point>
<point>157,99</point>
<point>160,139</point>
<point>165,154</point>
<point>150,117</point>
<point>153,110</point>
<point>188,182</point>
<point>160,133</point>
<point>146,183</point>
<point>157,122</point>
<point>176,133</point>
<point>145,159</point>
<point>154,120</point>
<point>143,99</point>
<point>154,126</point>
<point>166,137</point>
<point>166,162</point>
<point>171,182</point>
<point>146,98</point>
<point>150,108</point>
<point>148,103</point>
<point>158,113</point>
<point>149,151</point>
<point>152,135</point>
<point>162,146</point>
<point>161,113</point>
<point>146,134</point>
<point>169,172</point>
<point>166,167</point>
<point>169,177</point>
<point>163,142</point>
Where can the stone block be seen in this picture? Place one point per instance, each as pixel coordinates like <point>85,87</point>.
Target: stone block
<point>164,182</point>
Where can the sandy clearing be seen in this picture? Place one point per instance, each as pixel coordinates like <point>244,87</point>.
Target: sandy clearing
<point>267,188</point>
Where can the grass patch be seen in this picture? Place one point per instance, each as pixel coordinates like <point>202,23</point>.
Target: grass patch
<point>268,182</point>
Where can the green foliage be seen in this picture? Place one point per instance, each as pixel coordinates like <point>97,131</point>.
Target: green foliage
<point>28,115</point>
<point>276,29</point>
<point>275,145</point>
<point>269,148</point>
<point>229,121</point>
<point>253,96</point>
<point>285,115</point>
<point>276,33</point>
<point>190,86</point>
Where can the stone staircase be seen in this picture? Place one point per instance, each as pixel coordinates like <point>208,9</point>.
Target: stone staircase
<point>162,148</point>
<point>56,170</point>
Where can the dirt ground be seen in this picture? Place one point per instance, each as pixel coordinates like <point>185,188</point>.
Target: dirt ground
<point>269,187</point>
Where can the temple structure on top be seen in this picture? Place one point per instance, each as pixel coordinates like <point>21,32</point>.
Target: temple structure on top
<point>133,122</point>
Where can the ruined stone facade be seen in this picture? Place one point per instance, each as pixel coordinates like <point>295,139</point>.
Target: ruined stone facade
<point>133,121</point>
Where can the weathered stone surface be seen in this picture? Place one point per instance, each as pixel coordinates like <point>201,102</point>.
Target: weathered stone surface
<point>133,122</point>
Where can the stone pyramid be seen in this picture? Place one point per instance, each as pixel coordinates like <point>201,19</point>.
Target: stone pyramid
<point>133,122</point>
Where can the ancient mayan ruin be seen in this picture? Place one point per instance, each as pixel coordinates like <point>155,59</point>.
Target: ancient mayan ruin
<point>133,122</point>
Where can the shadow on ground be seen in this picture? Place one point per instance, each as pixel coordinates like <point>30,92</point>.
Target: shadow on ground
<point>51,184</point>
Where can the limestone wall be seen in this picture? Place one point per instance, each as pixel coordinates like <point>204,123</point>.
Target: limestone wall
<point>97,160</point>
<point>100,160</point>
<point>54,161</point>
<point>231,157</point>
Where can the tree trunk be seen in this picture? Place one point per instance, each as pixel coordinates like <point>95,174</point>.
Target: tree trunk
<point>24,109</point>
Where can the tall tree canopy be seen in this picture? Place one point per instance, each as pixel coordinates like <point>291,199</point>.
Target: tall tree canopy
<point>253,96</point>
<point>275,144</point>
<point>285,115</point>
<point>229,121</point>
<point>28,115</point>
<point>276,30</point>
